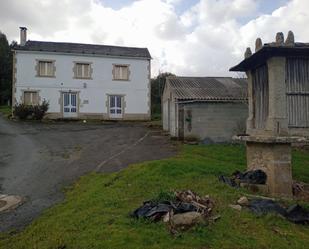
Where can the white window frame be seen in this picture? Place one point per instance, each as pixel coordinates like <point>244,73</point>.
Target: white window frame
<point>32,97</point>
<point>46,72</point>
<point>120,75</point>
<point>83,73</point>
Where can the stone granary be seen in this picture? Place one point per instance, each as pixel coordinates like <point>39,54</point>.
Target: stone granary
<point>211,109</point>
<point>278,98</point>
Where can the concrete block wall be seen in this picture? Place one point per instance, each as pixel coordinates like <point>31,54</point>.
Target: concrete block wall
<point>215,122</point>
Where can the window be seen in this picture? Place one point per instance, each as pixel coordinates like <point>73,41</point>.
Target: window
<point>82,70</point>
<point>46,69</point>
<point>31,98</point>
<point>121,72</point>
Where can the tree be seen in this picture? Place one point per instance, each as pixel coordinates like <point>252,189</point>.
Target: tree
<point>5,69</point>
<point>157,87</point>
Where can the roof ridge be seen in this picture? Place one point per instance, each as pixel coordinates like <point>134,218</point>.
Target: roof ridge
<point>203,77</point>
<point>89,44</point>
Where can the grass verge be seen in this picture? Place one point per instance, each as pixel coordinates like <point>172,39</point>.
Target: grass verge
<point>95,211</point>
<point>5,110</point>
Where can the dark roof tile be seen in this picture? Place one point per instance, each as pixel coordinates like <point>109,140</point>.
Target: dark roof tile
<point>79,48</point>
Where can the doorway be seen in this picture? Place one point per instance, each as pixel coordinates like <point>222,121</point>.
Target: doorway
<point>69,105</point>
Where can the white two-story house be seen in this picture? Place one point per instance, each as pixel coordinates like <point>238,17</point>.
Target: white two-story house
<point>82,80</point>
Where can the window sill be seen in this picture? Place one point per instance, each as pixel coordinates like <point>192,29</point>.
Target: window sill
<point>82,78</point>
<point>45,76</point>
<point>121,80</point>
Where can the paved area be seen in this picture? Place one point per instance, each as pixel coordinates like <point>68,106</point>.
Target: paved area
<point>38,160</point>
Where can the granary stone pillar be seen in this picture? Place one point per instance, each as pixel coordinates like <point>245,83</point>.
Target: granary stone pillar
<point>250,119</point>
<point>277,122</point>
<point>274,158</point>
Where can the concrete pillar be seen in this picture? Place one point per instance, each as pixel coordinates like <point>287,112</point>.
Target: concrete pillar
<point>250,120</point>
<point>277,122</point>
<point>275,160</point>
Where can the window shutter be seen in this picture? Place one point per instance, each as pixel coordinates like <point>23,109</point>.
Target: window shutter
<point>50,68</point>
<point>79,70</point>
<point>27,98</point>
<point>41,68</point>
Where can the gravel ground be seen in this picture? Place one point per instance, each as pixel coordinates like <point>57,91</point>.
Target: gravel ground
<point>38,159</point>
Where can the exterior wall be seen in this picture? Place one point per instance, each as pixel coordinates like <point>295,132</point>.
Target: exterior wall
<point>215,122</point>
<point>169,111</point>
<point>287,96</point>
<point>92,93</point>
<point>165,107</point>
<point>173,118</point>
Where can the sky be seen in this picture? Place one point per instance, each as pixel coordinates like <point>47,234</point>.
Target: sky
<point>185,37</point>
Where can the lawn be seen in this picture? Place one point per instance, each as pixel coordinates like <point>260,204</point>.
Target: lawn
<point>95,213</point>
<point>5,110</point>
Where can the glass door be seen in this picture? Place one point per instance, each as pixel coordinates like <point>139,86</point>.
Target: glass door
<point>69,105</point>
<point>115,106</point>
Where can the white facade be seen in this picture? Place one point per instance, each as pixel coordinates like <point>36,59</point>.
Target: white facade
<point>92,95</point>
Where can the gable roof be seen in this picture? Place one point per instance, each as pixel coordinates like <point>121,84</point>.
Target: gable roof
<point>208,88</point>
<point>80,48</point>
<point>270,50</point>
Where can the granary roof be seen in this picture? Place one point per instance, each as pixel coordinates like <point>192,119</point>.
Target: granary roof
<point>80,48</point>
<point>278,48</point>
<point>208,88</point>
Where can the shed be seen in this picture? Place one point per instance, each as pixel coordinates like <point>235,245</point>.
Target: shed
<point>278,79</point>
<point>212,109</point>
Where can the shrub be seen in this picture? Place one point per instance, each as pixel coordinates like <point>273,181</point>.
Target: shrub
<point>40,110</point>
<point>36,112</point>
<point>23,111</point>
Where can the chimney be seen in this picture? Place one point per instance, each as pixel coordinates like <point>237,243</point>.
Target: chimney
<point>23,36</point>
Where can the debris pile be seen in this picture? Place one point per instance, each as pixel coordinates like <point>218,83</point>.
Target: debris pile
<point>250,177</point>
<point>261,206</point>
<point>183,211</point>
<point>301,190</point>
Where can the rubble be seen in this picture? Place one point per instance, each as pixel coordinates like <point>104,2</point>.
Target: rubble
<point>236,207</point>
<point>301,190</point>
<point>184,211</point>
<point>185,220</point>
<point>10,202</point>
<point>248,177</point>
<point>243,201</point>
<point>295,213</point>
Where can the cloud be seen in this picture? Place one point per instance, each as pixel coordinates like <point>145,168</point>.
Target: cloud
<point>207,39</point>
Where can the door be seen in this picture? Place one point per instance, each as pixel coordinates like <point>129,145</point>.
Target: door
<point>115,106</point>
<point>69,105</point>
<point>181,117</point>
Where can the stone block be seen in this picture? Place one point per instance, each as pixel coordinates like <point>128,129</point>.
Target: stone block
<point>275,160</point>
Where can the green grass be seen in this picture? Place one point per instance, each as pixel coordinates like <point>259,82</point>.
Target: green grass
<point>5,110</point>
<point>95,213</point>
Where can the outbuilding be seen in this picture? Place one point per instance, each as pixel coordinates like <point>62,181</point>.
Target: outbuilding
<point>211,109</point>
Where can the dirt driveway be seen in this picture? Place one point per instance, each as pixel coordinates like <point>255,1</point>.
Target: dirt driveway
<point>37,160</point>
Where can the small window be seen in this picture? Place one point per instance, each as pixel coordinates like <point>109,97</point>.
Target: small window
<point>46,69</point>
<point>121,72</point>
<point>82,70</point>
<point>31,98</point>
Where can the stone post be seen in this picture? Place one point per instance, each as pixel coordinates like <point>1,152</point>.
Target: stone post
<point>250,120</point>
<point>275,160</point>
<point>277,122</point>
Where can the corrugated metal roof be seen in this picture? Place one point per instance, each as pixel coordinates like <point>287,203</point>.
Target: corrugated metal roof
<point>208,88</point>
<point>80,48</point>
